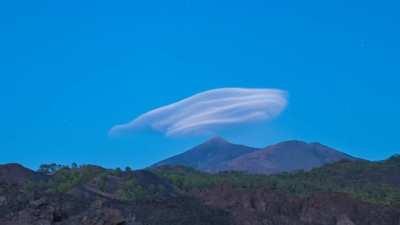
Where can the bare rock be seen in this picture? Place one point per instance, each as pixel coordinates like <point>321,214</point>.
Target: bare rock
<point>344,220</point>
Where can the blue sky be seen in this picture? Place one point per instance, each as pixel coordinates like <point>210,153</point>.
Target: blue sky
<point>70,70</point>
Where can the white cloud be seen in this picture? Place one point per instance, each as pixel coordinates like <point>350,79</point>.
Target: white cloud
<point>210,110</point>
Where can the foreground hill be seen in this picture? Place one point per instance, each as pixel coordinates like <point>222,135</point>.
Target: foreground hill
<point>17,174</point>
<point>91,195</point>
<point>342,193</point>
<point>218,155</point>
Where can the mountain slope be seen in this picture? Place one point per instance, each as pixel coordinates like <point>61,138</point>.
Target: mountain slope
<point>210,156</point>
<point>342,193</point>
<point>91,195</point>
<point>218,155</point>
<point>13,173</point>
<point>374,182</point>
<point>287,156</point>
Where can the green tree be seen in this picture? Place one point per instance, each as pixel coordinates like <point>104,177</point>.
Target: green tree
<point>74,165</point>
<point>49,168</point>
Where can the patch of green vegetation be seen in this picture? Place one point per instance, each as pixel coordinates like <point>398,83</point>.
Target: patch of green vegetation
<point>67,178</point>
<point>123,185</point>
<point>355,178</point>
<point>373,182</point>
<point>50,168</point>
<point>131,190</point>
<point>187,178</point>
<point>63,178</point>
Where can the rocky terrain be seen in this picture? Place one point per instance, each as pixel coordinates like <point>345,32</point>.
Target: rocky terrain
<point>94,196</point>
<point>263,207</point>
<point>343,193</point>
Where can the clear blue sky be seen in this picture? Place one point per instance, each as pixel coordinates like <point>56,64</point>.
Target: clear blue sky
<point>69,70</point>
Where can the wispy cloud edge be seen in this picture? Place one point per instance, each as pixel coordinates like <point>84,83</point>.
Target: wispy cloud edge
<point>210,110</point>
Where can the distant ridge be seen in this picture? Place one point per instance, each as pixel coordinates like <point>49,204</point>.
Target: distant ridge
<point>217,155</point>
<point>287,156</point>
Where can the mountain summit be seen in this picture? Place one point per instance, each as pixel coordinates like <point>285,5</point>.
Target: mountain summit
<point>217,154</point>
<point>287,156</point>
<point>211,156</point>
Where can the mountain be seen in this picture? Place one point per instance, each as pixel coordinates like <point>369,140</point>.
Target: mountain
<point>218,155</point>
<point>287,156</point>
<point>210,156</point>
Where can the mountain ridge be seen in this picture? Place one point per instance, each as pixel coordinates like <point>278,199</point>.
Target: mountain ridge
<point>217,154</point>
<point>209,156</point>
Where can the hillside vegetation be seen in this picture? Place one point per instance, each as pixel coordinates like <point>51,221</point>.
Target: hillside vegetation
<point>375,182</point>
<point>90,195</point>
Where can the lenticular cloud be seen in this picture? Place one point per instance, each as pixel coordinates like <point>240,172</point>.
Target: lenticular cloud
<point>210,110</point>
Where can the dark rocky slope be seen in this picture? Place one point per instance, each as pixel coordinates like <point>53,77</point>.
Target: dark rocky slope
<point>88,196</point>
<point>343,193</point>
<point>265,207</point>
<point>13,173</point>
